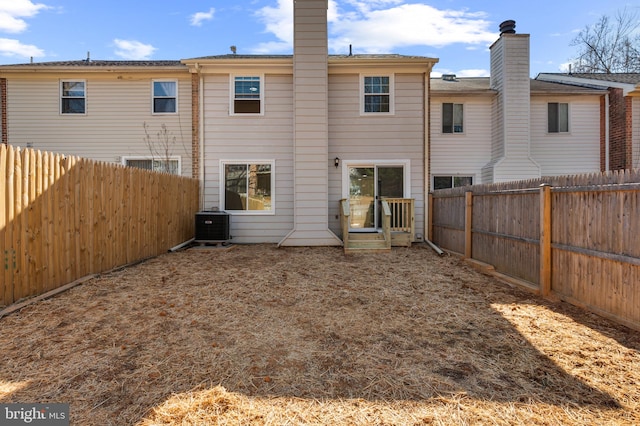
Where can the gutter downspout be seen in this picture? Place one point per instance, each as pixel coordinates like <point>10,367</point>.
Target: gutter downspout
<point>201,170</point>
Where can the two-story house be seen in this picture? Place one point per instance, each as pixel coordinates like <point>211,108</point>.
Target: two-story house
<point>300,149</point>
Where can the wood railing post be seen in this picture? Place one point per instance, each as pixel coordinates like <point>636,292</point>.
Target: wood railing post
<point>468,222</point>
<point>545,239</point>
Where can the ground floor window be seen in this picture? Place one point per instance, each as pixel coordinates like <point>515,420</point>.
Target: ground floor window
<point>168,165</point>
<point>444,182</point>
<point>248,186</point>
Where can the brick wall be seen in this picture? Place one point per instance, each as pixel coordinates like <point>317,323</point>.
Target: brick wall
<point>3,113</point>
<point>629,132</point>
<point>603,134</point>
<point>620,147</point>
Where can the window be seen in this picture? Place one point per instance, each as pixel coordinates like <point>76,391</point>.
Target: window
<point>247,95</point>
<point>558,117</point>
<point>248,187</point>
<point>171,165</point>
<point>444,182</point>
<point>165,95</point>
<point>72,97</point>
<point>452,118</point>
<point>377,94</point>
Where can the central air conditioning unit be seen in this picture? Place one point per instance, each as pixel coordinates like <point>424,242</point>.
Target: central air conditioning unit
<point>212,227</point>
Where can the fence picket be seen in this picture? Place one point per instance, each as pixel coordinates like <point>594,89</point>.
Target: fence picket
<point>595,254</point>
<point>62,218</point>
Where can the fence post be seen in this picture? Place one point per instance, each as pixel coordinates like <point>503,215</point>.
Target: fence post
<point>545,239</point>
<point>430,218</point>
<point>468,221</point>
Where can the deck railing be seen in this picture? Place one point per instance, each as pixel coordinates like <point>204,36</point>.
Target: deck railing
<point>398,216</point>
<point>402,215</point>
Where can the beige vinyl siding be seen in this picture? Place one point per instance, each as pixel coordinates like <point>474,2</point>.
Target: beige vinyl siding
<point>577,151</point>
<point>355,137</point>
<point>117,106</point>
<point>635,136</point>
<point>265,137</point>
<point>466,153</point>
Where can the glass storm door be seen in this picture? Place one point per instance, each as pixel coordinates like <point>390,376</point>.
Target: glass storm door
<point>367,184</point>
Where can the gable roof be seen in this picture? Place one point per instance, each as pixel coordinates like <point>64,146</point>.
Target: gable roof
<point>95,65</point>
<point>464,86</point>
<point>625,78</point>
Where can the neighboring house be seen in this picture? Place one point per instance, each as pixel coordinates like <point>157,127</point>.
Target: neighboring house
<point>279,140</point>
<point>99,109</point>
<point>621,106</point>
<point>508,126</point>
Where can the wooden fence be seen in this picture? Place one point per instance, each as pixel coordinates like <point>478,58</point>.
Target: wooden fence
<point>63,218</point>
<point>574,237</point>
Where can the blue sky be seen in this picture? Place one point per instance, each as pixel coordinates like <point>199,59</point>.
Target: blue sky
<point>458,32</point>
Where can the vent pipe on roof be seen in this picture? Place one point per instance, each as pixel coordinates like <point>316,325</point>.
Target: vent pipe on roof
<point>350,51</point>
<point>88,56</point>
<point>508,27</point>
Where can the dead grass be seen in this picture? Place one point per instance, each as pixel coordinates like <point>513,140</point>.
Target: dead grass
<point>257,335</point>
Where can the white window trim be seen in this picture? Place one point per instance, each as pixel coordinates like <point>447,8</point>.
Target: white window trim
<point>232,94</point>
<point>464,126</point>
<point>153,97</point>
<point>392,102</point>
<point>406,164</point>
<point>124,159</point>
<point>559,133</point>
<point>72,80</point>
<point>223,187</point>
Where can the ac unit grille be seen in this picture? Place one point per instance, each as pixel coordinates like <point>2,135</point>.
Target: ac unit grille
<point>212,227</point>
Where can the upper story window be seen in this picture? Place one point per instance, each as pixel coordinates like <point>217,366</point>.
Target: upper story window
<point>247,95</point>
<point>73,97</point>
<point>248,186</point>
<point>377,94</point>
<point>165,96</point>
<point>558,121</point>
<point>452,120</point>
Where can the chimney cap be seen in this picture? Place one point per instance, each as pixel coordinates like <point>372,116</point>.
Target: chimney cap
<point>508,27</point>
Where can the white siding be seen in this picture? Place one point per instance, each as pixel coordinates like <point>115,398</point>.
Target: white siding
<point>251,137</point>
<point>117,106</point>
<point>462,154</point>
<point>354,137</point>
<point>567,153</point>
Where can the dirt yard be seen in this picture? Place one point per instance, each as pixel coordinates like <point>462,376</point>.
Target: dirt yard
<point>256,335</point>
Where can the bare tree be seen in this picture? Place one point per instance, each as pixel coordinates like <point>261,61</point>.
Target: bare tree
<point>161,147</point>
<point>609,45</point>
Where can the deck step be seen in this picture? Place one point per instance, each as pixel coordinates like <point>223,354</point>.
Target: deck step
<point>366,242</point>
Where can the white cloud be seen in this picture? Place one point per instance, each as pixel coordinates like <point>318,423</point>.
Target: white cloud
<point>384,30</point>
<point>199,17</point>
<point>278,21</point>
<point>11,47</point>
<point>382,26</point>
<point>132,49</point>
<point>12,12</point>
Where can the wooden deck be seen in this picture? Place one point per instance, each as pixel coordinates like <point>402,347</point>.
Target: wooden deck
<point>398,227</point>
